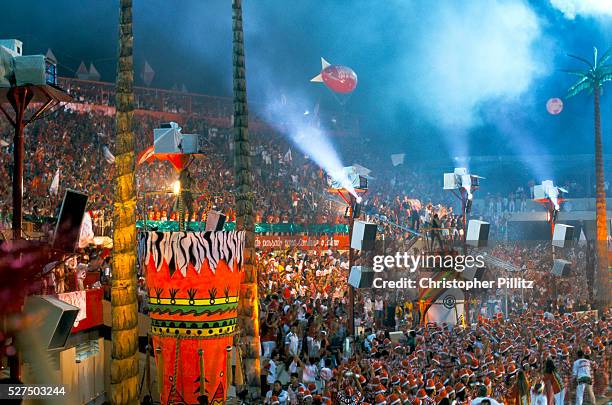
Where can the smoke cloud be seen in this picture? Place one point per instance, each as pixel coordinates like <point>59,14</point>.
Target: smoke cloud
<point>468,54</point>
<point>585,8</point>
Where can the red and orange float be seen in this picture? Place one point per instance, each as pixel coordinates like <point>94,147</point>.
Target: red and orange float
<point>193,280</point>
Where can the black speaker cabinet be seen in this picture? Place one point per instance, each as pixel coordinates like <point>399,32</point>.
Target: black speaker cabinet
<point>214,221</point>
<point>561,268</point>
<point>361,277</point>
<point>477,233</point>
<point>68,227</point>
<point>364,235</point>
<point>562,235</point>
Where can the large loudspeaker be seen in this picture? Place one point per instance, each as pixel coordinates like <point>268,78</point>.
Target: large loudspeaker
<point>364,235</point>
<point>562,235</point>
<point>390,317</point>
<point>356,210</point>
<point>68,228</point>
<point>473,273</point>
<point>361,277</point>
<point>477,233</point>
<point>55,319</point>
<point>561,268</point>
<point>214,221</point>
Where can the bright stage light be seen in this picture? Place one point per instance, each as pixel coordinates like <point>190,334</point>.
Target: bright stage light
<point>547,190</point>
<point>176,187</point>
<point>311,139</point>
<point>461,179</point>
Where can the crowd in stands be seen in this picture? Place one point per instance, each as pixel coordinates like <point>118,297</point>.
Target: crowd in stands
<point>289,187</point>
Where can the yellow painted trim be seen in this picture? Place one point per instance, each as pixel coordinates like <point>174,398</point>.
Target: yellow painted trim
<point>204,333</point>
<point>196,302</point>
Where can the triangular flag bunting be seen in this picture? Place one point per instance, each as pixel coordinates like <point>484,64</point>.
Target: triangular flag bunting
<point>50,56</point>
<point>82,72</point>
<point>147,74</point>
<point>93,73</point>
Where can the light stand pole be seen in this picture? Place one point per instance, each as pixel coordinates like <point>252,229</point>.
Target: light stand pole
<point>551,218</point>
<point>20,97</point>
<point>466,203</point>
<point>351,291</point>
<point>350,200</point>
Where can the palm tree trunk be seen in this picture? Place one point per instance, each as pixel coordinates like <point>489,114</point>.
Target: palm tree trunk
<point>602,293</point>
<point>248,309</point>
<point>124,306</point>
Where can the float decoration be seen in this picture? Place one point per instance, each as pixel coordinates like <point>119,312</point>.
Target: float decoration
<point>193,282</point>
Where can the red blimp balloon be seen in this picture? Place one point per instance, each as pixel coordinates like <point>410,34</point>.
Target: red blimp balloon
<point>337,78</point>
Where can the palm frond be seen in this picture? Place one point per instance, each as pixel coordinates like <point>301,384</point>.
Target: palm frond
<point>595,51</point>
<point>603,70</point>
<point>589,64</point>
<point>580,85</point>
<point>604,58</point>
<point>606,77</point>
<point>579,73</point>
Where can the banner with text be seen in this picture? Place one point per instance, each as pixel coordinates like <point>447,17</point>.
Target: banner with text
<point>303,242</point>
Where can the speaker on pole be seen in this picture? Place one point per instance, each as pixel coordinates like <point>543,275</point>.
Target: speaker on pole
<point>473,273</point>
<point>562,235</point>
<point>561,268</point>
<point>54,319</point>
<point>477,233</point>
<point>364,235</point>
<point>361,277</point>
<point>356,210</point>
<point>214,221</point>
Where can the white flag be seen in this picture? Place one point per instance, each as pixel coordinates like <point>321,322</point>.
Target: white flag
<point>288,157</point>
<point>582,239</point>
<point>87,234</point>
<point>397,159</point>
<point>108,155</point>
<point>147,74</point>
<point>53,189</point>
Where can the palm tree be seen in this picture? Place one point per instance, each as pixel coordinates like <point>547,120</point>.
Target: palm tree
<point>124,307</point>
<point>248,310</point>
<point>592,80</point>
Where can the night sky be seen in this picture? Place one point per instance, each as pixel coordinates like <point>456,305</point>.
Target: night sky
<point>439,78</point>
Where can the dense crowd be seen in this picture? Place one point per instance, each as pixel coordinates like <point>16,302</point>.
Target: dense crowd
<point>513,353</point>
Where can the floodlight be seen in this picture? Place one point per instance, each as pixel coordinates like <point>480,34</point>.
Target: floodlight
<point>168,139</point>
<point>547,190</point>
<point>461,179</point>
<point>347,178</point>
<point>176,187</point>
